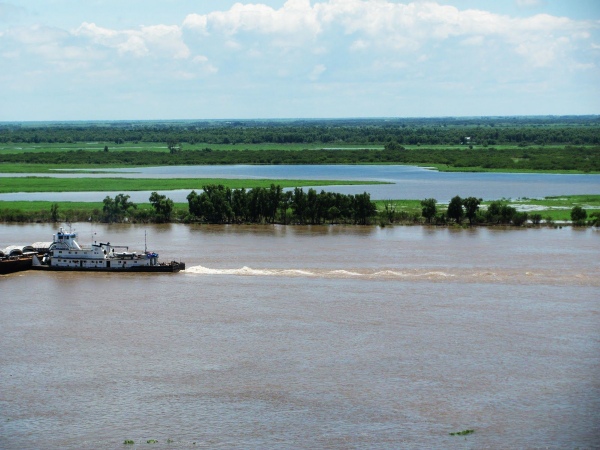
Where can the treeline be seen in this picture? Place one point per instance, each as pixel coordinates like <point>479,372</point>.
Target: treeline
<point>217,204</point>
<point>584,159</point>
<point>584,130</point>
<point>220,204</point>
<point>497,212</point>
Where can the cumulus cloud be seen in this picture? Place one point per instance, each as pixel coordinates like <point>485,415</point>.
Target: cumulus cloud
<point>388,26</point>
<point>157,40</point>
<point>329,28</point>
<point>352,42</point>
<point>295,16</point>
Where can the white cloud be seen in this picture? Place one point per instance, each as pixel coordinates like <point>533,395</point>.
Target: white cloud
<point>196,22</point>
<point>157,40</point>
<point>388,26</point>
<point>204,65</point>
<point>37,35</point>
<point>294,22</point>
<point>328,28</point>
<point>361,45</point>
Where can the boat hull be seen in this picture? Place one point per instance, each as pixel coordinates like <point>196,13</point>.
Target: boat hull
<point>173,267</point>
<point>12,265</point>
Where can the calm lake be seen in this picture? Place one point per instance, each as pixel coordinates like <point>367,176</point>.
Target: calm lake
<point>407,182</point>
<point>308,337</point>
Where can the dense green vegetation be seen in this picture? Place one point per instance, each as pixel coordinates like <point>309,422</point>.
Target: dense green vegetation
<point>566,130</point>
<point>509,144</point>
<point>221,204</point>
<point>558,144</point>
<point>581,159</point>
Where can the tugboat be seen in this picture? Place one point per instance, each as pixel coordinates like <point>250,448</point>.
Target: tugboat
<point>65,253</point>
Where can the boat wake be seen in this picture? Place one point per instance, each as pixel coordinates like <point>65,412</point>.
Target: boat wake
<point>319,273</point>
<point>455,275</point>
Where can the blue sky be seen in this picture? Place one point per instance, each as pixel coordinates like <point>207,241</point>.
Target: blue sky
<point>184,59</point>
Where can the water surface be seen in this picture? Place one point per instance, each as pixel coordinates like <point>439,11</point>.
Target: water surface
<point>308,337</point>
<point>407,182</point>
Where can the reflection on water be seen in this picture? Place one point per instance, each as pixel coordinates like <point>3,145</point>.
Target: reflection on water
<point>338,337</point>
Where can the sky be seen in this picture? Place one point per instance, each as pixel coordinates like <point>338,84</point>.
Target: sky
<point>222,59</point>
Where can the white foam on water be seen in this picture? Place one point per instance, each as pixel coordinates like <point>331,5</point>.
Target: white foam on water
<point>338,273</point>
<point>345,273</point>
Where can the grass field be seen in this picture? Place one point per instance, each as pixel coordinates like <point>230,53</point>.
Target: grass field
<point>557,208</point>
<point>121,160</point>
<point>447,168</point>
<point>162,147</point>
<point>48,184</point>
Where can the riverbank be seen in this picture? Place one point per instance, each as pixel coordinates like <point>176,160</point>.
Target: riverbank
<point>406,211</point>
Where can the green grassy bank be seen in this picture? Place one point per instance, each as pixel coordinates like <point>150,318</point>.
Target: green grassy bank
<point>406,211</point>
<point>49,184</point>
<point>554,208</point>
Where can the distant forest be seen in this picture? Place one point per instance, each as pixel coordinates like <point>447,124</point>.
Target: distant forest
<point>484,131</point>
<point>509,143</point>
<point>584,159</point>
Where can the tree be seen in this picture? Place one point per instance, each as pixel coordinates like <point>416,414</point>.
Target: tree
<point>455,209</point>
<point>333,213</point>
<point>536,218</point>
<point>123,203</point>
<point>117,209</point>
<point>492,214</point>
<point>163,206</point>
<point>393,146</point>
<point>274,196</point>
<point>284,204</point>
<point>312,206</point>
<point>519,218</point>
<point>578,215</point>
<point>364,208</point>
<point>173,146</point>
<point>471,205</point>
<point>299,204</point>
<point>429,209</point>
<point>194,204</point>
<point>54,212</point>
<point>239,204</point>
<point>214,204</point>
<point>507,213</point>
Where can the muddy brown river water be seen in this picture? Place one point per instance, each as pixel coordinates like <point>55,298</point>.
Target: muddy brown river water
<point>308,337</point>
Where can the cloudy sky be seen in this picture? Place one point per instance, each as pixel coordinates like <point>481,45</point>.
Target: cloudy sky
<point>200,59</point>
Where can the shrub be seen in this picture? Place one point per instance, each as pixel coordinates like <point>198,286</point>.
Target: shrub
<point>519,218</point>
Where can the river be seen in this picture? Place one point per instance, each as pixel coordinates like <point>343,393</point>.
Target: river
<point>405,182</point>
<point>308,337</point>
